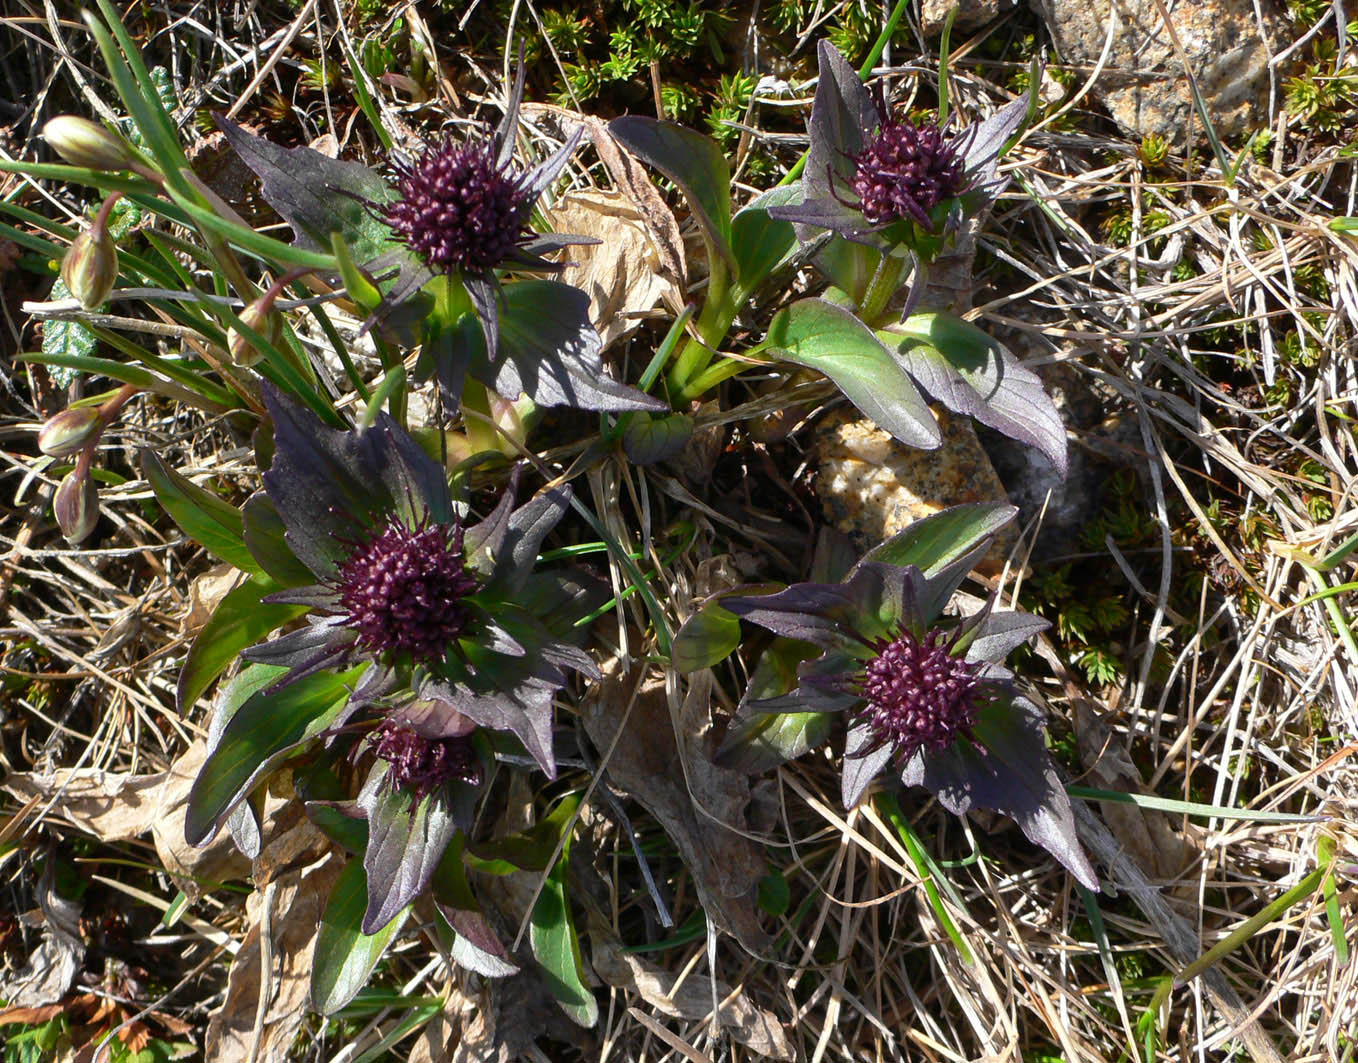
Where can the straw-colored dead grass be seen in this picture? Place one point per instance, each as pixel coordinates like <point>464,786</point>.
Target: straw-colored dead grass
<point>1242,693</point>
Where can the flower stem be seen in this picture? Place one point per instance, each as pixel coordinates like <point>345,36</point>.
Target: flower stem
<point>712,326</point>
<point>476,418</point>
<point>886,281</point>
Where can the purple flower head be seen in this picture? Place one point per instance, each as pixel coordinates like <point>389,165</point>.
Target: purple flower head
<point>404,590</point>
<point>459,208</point>
<point>361,527</point>
<point>905,171</point>
<point>923,689</point>
<point>889,183</point>
<point>917,695</point>
<point>418,765</point>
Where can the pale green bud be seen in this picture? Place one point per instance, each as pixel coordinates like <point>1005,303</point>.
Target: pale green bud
<point>69,432</point>
<point>76,506</point>
<point>84,143</point>
<point>90,267</point>
<point>261,317</point>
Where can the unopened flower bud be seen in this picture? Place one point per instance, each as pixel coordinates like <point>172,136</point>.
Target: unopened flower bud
<point>69,432</point>
<point>84,143</point>
<point>261,317</point>
<point>76,506</point>
<point>90,267</point>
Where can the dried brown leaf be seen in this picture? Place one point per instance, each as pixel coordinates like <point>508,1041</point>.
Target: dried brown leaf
<point>52,968</point>
<point>269,985</point>
<point>702,807</point>
<point>692,998</point>
<point>623,275</point>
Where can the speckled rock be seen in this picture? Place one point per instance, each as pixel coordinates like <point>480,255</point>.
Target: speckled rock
<point>872,486</point>
<point>971,14</point>
<point>1143,83</point>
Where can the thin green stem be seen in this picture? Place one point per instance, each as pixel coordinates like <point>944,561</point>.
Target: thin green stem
<point>886,281</point>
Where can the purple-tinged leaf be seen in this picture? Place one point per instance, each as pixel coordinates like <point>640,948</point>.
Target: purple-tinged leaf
<point>1002,633</point>
<point>938,589</point>
<point>406,841</point>
<point>1012,774</point>
<point>860,770</point>
<point>321,644</point>
<point>318,195</point>
<point>550,352</point>
<point>529,525</point>
<point>541,176</point>
<point>471,929</point>
<point>345,956</point>
<point>842,117</point>
<point>819,613</point>
<point>484,291</point>
<point>937,541</point>
<point>985,140</point>
<point>694,162</point>
<point>511,694</point>
<point>977,376</point>
<point>329,484</point>
<point>829,214</point>
<point>477,947</point>
<point>482,542</point>
<point>830,339</point>
<point>505,132</point>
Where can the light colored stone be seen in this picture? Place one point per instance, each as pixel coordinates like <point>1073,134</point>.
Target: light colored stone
<point>871,486</point>
<point>1143,84</point>
<point>971,14</point>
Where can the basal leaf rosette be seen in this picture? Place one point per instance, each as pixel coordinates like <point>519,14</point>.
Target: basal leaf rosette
<point>422,629</point>
<point>924,692</point>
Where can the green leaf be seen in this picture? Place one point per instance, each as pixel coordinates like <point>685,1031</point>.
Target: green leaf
<point>529,850</point>
<point>934,543</point>
<point>756,744</point>
<point>649,438</point>
<point>762,244</point>
<point>695,164</point>
<point>344,957</point>
<point>212,523</point>
<point>264,730</point>
<point>264,533</point>
<point>65,339</point>
<point>239,621</point>
<point>707,638</point>
<point>557,948</point>
<point>828,338</point>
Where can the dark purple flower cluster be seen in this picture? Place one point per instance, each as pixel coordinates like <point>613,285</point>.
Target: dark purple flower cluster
<point>403,590</point>
<point>459,209</point>
<point>420,765</point>
<point>917,694</point>
<point>905,171</point>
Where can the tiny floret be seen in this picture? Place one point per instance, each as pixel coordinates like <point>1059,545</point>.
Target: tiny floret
<point>905,171</point>
<point>403,590</point>
<point>458,209</point>
<point>418,765</point>
<point>917,694</point>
